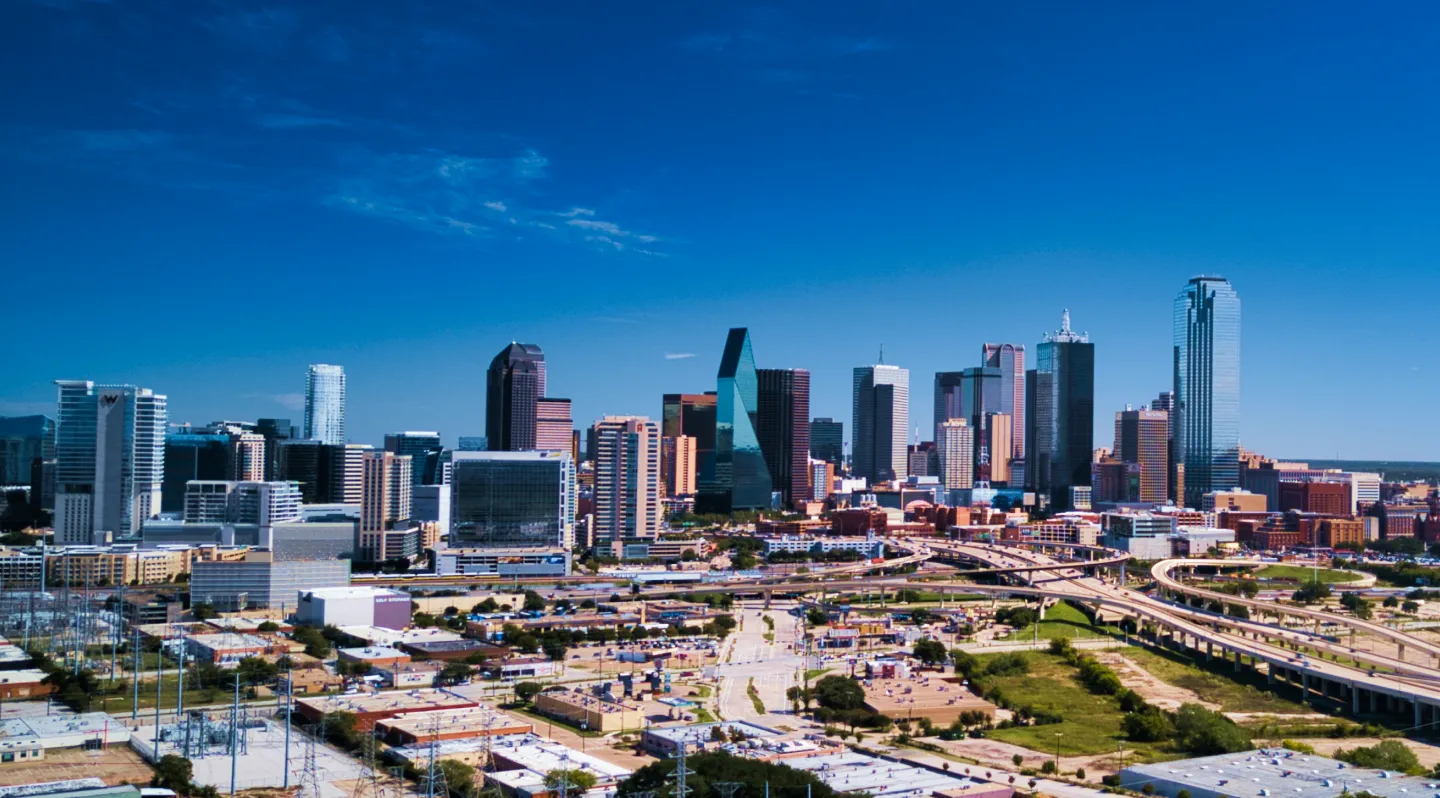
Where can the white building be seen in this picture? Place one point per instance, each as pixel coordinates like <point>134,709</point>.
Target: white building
<point>354,606</point>
<point>627,478</point>
<point>325,404</point>
<point>955,447</point>
<point>880,422</point>
<point>110,460</point>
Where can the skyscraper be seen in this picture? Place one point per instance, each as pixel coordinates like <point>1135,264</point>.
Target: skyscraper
<point>325,404</point>
<point>110,453</point>
<point>1207,386</point>
<point>513,387</point>
<point>827,441</point>
<point>386,499</point>
<point>692,415</point>
<point>1174,469</point>
<point>955,449</point>
<point>739,478</point>
<point>627,479</point>
<point>677,465</point>
<point>554,429</point>
<point>1142,439</point>
<point>423,449</point>
<point>784,430</point>
<point>24,440</point>
<point>1010,359</point>
<point>274,430</point>
<point>512,500</point>
<point>1064,410</point>
<point>880,421</point>
<point>999,431</point>
<point>948,390</point>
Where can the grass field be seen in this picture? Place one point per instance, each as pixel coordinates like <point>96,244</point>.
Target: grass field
<point>1300,573</point>
<point>816,673</point>
<point>1063,620</point>
<point>702,715</point>
<point>1231,695</point>
<point>1092,722</point>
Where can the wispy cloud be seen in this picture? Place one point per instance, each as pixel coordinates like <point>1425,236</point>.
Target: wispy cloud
<point>679,355</point>
<point>609,235</point>
<point>289,401</point>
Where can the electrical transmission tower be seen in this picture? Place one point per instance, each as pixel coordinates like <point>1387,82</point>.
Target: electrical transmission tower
<point>309,772</point>
<point>434,775</point>
<point>678,787</point>
<point>727,789</point>
<point>371,781</point>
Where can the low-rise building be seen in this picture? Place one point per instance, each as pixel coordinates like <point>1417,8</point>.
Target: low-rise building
<point>368,709</point>
<point>89,730</point>
<point>941,699</point>
<point>23,684</point>
<point>411,674</point>
<point>520,668</point>
<point>450,724</point>
<point>1269,771</point>
<point>226,649</point>
<point>375,656</point>
<point>665,742</point>
<point>354,606</point>
<point>310,681</point>
<point>589,711</point>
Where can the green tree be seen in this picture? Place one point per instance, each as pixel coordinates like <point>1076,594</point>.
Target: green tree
<point>930,652</point>
<point>1391,602</point>
<point>816,617</point>
<point>314,641</point>
<point>711,767</point>
<point>203,611</point>
<point>1147,726</point>
<point>1410,607</point>
<point>724,624</point>
<point>554,647</point>
<point>452,673</point>
<point>1204,733</point>
<point>486,606</point>
<point>534,602</point>
<point>174,772</point>
<point>576,780</point>
<point>1384,755</point>
<point>839,692</point>
<point>267,627</point>
<point>527,643</point>
<point>526,691</point>
<point>965,662</point>
<point>341,729</point>
<point>459,777</point>
<point>1311,592</point>
<point>254,670</point>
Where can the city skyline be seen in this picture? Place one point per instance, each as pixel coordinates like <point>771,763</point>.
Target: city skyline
<point>300,149</point>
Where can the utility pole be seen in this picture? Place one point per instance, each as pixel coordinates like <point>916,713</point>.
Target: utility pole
<point>234,734</point>
<point>135,674</point>
<point>159,677</point>
<point>289,709</point>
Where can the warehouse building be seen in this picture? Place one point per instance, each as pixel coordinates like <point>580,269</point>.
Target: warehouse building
<point>262,582</point>
<point>369,709</point>
<point>40,733</point>
<point>666,742</point>
<point>589,711</point>
<point>410,674</point>
<point>1270,772</point>
<point>354,606</point>
<point>375,656</point>
<point>450,724</point>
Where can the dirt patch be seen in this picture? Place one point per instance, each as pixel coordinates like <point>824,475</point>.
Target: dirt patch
<point>1163,695</point>
<point>1429,755</point>
<point>1001,756</point>
<point>116,764</point>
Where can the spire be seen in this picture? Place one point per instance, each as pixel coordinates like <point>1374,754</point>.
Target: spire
<point>1065,321</point>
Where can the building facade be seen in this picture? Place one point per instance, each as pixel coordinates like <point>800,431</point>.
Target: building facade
<point>554,429</point>
<point>827,441</point>
<point>385,502</point>
<point>677,465</point>
<point>1142,437</point>
<point>325,404</point>
<point>110,461</point>
<point>1063,414</point>
<point>1207,386</point>
<point>1010,360</point>
<point>627,479</point>
<point>514,386</point>
<point>512,500</point>
<point>736,478</point>
<point>423,449</point>
<point>954,446</point>
<point>880,422</point>
<point>784,430</point>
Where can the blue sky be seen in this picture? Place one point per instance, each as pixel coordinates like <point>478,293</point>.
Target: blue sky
<point>202,197</point>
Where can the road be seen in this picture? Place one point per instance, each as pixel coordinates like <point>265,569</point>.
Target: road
<point>773,667</point>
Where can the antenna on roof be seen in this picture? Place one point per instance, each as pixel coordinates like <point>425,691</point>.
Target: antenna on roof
<point>882,354</point>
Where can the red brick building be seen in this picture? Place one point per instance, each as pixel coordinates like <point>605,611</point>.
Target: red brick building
<point>858,521</point>
<point>1328,498</point>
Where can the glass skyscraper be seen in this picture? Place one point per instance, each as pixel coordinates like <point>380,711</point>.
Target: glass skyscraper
<point>880,421</point>
<point>110,460</point>
<point>1063,441</point>
<point>1010,359</point>
<point>784,430</point>
<point>512,500</point>
<point>739,480</point>
<point>424,449</point>
<point>514,386</point>
<point>827,440</point>
<point>1207,386</point>
<point>325,404</point>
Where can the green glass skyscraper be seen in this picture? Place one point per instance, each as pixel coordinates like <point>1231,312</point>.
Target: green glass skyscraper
<point>736,478</point>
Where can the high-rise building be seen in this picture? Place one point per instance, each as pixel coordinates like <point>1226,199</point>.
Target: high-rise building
<point>424,450</point>
<point>473,443</point>
<point>325,404</point>
<point>1010,360</point>
<point>298,461</point>
<point>554,429</point>
<point>1142,438</point>
<point>955,449</point>
<point>24,440</point>
<point>736,478</point>
<point>193,454</point>
<point>948,391</point>
<point>783,426</point>
<point>342,473</point>
<point>110,460</point>
<point>513,387</point>
<point>1207,386</point>
<point>880,420</point>
<point>999,431</point>
<point>512,500</point>
<point>1064,413</point>
<point>920,459</point>
<point>677,465</point>
<point>274,430</point>
<point>822,478</point>
<point>1174,469</point>
<point>385,501</point>
<point>692,415</point>
<point>627,479</point>
<point>827,441</point>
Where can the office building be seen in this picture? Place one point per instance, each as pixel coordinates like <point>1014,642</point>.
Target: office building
<point>110,461</point>
<point>879,423</point>
<point>822,476</point>
<point>948,390</point>
<point>920,459</point>
<point>783,427</point>
<point>274,430</point>
<point>998,452</point>
<point>955,447</point>
<point>1207,386</point>
<point>1328,498</point>
<point>512,500</point>
<point>220,451</point>
<point>342,473</point>
<point>1237,500</point>
<point>1010,360</point>
<point>627,479</point>
<point>25,443</point>
<point>691,415</point>
<point>1142,438</point>
<point>513,387</point>
<point>263,582</point>
<point>554,429</point>
<point>1174,468</point>
<point>325,404</point>
<point>736,478</point>
<point>424,450</point>
<point>1062,387</point>
<point>473,443</point>
<point>827,441</point>
<point>385,505</point>
<point>677,465</point>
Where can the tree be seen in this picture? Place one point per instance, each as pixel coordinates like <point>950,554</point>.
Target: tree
<point>724,624</point>
<point>1410,607</point>
<point>486,606</point>
<point>527,643</point>
<point>1311,592</point>
<point>267,627</point>
<point>930,652</point>
<point>839,692</point>
<point>254,670</point>
<point>1392,602</point>
<point>459,777</point>
<point>534,602</point>
<point>525,691</point>
<point>716,766</point>
<point>203,611</point>
<point>816,617</point>
<point>1017,760</point>
<point>340,729</point>
<point>1204,733</point>
<point>588,604</point>
<point>452,673</point>
<point>965,662</point>
<point>174,772</point>
<point>575,779</point>
<point>314,641</point>
<point>1384,755</point>
<point>1147,726</point>
<point>553,647</point>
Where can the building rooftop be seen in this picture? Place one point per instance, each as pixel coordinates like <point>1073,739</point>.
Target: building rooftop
<point>852,772</point>
<point>357,592</point>
<point>373,652</point>
<point>380,636</point>
<point>394,702</point>
<point>1274,771</point>
<point>575,698</point>
<point>12,654</point>
<point>43,726</point>
<point>542,756</point>
<point>26,676</point>
<point>229,640</point>
<point>480,721</point>
<point>700,732</point>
